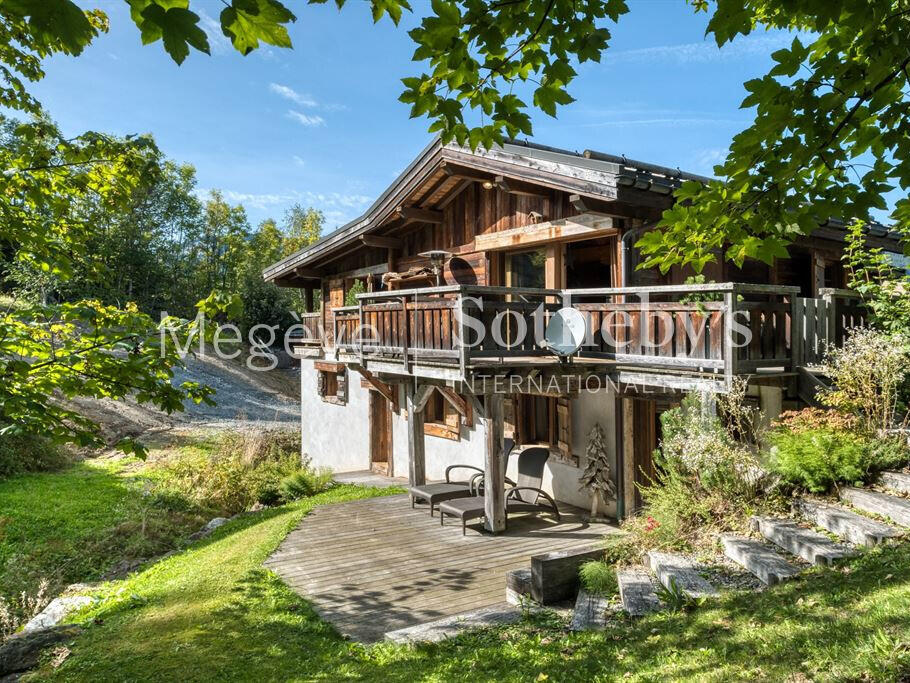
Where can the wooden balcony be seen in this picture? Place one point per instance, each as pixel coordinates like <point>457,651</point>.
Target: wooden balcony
<point>712,331</point>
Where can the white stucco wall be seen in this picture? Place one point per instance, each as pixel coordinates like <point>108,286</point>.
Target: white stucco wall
<point>337,437</point>
<point>439,452</point>
<point>334,436</point>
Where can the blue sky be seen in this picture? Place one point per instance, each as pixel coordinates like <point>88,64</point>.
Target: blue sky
<point>321,124</point>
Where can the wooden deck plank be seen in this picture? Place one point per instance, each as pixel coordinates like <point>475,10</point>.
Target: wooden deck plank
<point>377,565</point>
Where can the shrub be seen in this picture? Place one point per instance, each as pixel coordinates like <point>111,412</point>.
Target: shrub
<point>816,418</point>
<point>305,482</point>
<point>15,613</point>
<point>234,471</point>
<point>817,459</point>
<point>870,374</point>
<point>598,578</point>
<point>708,478</point>
<point>27,453</point>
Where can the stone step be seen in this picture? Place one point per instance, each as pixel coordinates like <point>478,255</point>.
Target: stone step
<point>434,631</point>
<point>681,570</point>
<point>757,557</point>
<point>892,507</point>
<point>896,481</point>
<point>518,586</point>
<point>591,612</point>
<point>848,525</point>
<point>811,546</point>
<point>637,591</point>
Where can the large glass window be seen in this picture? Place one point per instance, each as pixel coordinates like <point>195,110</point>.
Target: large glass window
<point>527,269</point>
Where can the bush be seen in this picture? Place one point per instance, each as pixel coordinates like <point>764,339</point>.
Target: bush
<point>816,418</point>
<point>305,482</point>
<point>26,453</point>
<point>598,578</point>
<point>234,471</point>
<point>817,459</point>
<point>871,378</point>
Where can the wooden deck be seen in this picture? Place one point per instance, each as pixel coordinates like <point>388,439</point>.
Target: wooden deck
<point>376,565</point>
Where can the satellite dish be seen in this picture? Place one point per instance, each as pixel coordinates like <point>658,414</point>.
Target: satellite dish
<point>565,332</point>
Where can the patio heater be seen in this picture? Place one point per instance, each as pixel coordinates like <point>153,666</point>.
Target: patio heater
<point>438,259</point>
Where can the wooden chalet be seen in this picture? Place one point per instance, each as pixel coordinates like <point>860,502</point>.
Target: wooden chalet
<point>506,237</point>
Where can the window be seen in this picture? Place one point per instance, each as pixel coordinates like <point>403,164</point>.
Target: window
<point>526,269</point>
<point>442,419</point>
<point>332,383</point>
<point>546,421</point>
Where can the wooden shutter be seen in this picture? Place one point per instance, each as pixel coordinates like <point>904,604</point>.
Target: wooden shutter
<point>564,428</point>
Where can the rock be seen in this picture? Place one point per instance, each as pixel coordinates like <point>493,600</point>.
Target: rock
<point>209,528</point>
<point>122,569</point>
<point>55,611</point>
<point>21,652</point>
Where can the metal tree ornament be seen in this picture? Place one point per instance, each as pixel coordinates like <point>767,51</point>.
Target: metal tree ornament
<point>596,476</point>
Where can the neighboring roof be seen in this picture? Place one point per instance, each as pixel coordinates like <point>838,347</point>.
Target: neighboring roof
<point>589,173</point>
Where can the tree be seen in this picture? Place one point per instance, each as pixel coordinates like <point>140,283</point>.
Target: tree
<point>302,227</point>
<point>596,476</point>
<point>830,136</point>
<point>52,187</point>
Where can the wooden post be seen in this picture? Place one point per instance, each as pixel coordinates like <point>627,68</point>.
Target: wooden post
<point>628,455</point>
<point>494,466</point>
<point>308,300</point>
<point>417,467</point>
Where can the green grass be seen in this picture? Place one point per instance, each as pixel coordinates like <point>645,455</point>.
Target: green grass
<point>73,524</point>
<point>212,612</point>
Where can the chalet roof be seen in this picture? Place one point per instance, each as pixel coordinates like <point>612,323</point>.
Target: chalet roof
<point>589,173</point>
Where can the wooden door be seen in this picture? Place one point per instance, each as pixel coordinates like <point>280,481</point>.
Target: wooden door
<point>645,431</point>
<point>380,434</point>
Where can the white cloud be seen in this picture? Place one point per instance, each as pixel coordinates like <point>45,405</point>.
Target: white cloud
<point>707,159</point>
<point>706,51</point>
<point>292,95</point>
<point>338,207</point>
<point>218,42</point>
<point>298,160</point>
<point>305,119</point>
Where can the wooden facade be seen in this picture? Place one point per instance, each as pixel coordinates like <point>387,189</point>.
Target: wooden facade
<point>529,230</point>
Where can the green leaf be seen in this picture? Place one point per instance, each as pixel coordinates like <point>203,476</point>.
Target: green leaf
<point>247,22</point>
<point>177,27</point>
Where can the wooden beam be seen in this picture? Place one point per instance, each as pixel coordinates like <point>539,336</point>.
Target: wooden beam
<point>377,384</point>
<point>461,406</point>
<point>416,214</point>
<point>422,395</point>
<point>417,466</point>
<point>383,242</point>
<point>307,273</point>
<point>585,226</point>
<point>466,173</point>
<point>589,204</point>
<point>513,186</point>
<point>494,482</point>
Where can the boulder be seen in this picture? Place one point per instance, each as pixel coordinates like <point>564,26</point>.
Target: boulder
<point>21,652</point>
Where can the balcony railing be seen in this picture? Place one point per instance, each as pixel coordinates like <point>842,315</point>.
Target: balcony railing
<point>719,329</point>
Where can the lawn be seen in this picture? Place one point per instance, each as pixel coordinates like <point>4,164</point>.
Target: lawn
<point>73,524</point>
<point>212,612</point>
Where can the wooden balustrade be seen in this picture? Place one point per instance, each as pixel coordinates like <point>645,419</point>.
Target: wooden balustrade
<point>719,328</point>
